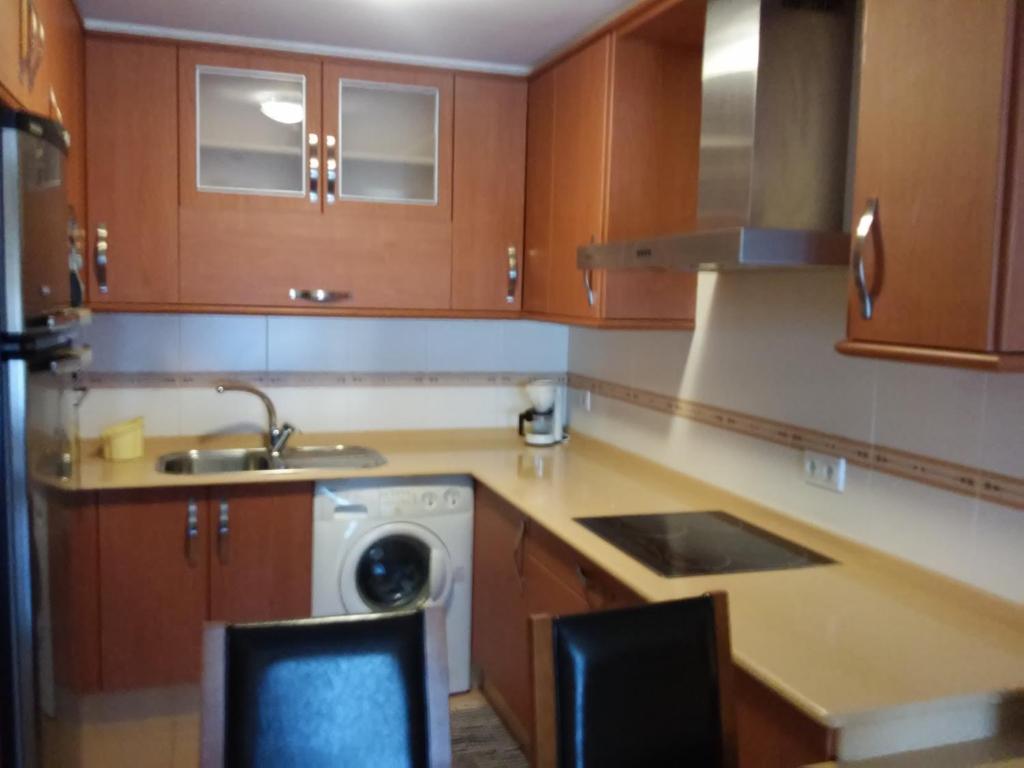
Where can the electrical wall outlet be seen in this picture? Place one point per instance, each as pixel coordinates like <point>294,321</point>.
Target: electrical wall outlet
<point>583,399</point>
<point>825,471</point>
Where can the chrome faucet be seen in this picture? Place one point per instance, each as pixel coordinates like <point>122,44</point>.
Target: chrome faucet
<point>277,436</point>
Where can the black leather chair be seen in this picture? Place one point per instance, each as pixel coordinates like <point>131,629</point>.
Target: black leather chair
<point>361,691</point>
<point>648,686</point>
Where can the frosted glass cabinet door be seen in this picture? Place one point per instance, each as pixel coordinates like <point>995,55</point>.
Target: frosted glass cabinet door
<point>251,133</point>
<point>388,142</point>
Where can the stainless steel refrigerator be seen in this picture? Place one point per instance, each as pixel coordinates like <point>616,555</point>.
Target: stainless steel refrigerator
<point>40,356</point>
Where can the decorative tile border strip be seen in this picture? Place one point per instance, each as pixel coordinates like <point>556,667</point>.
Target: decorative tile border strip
<point>100,380</point>
<point>958,478</point>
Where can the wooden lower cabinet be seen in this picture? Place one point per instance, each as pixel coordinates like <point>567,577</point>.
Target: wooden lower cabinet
<point>133,575</point>
<point>772,732</point>
<point>500,644</point>
<point>71,604</point>
<point>520,570</point>
<point>261,546</point>
<point>153,582</point>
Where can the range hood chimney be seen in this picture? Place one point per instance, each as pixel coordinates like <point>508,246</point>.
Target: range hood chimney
<point>775,103</point>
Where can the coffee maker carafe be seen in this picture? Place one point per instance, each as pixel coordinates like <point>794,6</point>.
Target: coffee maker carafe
<point>543,424</point>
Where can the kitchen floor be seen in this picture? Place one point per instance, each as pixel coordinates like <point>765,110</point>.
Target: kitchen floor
<point>111,732</point>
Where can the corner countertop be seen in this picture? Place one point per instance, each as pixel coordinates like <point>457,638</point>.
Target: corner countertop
<point>865,641</point>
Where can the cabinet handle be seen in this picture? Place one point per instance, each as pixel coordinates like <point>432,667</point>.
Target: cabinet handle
<point>332,169</point>
<point>192,534</point>
<point>866,227</point>
<point>513,274</point>
<point>224,533</point>
<point>588,286</point>
<point>584,582</point>
<point>314,168</point>
<point>517,554</point>
<point>318,295</point>
<point>101,258</point>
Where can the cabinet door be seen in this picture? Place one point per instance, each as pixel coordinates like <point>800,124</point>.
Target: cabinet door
<point>73,593</point>
<point>132,145</point>
<point>153,549</point>
<point>388,193</point>
<point>539,178</point>
<point>261,557</point>
<point>488,189</point>
<point>578,189</point>
<point>251,221</point>
<point>23,28</point>
<point>500,619</point>
<point>931,130</point>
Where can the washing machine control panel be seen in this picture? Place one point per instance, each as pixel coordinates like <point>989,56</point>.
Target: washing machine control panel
<point>394,498</point>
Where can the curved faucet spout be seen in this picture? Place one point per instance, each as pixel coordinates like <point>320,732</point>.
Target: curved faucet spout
<point>277,436</point>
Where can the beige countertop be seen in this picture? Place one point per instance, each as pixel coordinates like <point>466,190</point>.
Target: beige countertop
<point>868,644</point>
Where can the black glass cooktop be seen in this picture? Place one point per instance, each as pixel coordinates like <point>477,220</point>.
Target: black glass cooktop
<point>700,543</point>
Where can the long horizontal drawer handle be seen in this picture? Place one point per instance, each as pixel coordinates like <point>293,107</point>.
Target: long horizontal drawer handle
<point>318,295</point>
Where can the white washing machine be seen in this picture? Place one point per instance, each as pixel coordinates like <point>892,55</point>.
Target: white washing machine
<point>386,544</point>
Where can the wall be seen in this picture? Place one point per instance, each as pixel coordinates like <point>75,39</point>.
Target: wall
<point>324,374</point>
<point>764,346</point>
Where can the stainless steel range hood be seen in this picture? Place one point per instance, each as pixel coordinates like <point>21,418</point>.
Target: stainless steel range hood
<point>775,106</point>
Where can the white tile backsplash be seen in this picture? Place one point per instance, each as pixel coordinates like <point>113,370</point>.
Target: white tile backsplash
<point>931,410</point>
<point>210,343</point>
<point>134,343</point>
<point>764,345</point>
<point>223,343</point>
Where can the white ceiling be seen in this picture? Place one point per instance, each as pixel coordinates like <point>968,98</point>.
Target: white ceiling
<point>496,35</point>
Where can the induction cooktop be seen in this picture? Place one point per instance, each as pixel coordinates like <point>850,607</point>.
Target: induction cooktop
<point>700,543</point>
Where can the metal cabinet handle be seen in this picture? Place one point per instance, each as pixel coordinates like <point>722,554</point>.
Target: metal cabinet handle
<point>513,274</point>
<point>866,227</point>
<point>224,533</point>
<point>318,295</point>
<point>517,554</point>
<point>588,286</point>
<point>192,534</point>
<point>101,258</point>
<point>314,168</point>
<point>332,169</point>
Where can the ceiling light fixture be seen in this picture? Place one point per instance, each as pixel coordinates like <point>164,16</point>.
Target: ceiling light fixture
<point>287,112</point>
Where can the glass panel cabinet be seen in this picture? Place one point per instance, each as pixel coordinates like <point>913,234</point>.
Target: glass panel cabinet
<point>250,132</point>
<point>388,142</point>
<point>249,129</point>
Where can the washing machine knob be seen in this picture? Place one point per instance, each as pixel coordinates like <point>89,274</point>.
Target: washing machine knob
<point>452,497</point>
<point>429,499</point>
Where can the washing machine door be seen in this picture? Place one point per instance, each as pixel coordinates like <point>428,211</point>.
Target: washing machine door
<point>395,566</point>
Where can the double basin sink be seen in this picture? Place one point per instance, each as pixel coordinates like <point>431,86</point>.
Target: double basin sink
<point>201,462</point>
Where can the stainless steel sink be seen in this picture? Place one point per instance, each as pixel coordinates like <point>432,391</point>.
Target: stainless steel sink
<point>257,459</point>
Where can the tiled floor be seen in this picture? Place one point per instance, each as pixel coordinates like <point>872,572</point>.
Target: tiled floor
<point>116,734</point>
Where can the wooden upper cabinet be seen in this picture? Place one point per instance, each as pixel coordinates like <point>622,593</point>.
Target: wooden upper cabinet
<point>539,177</point>
<point>654,153</point>
<point>613,154</point>
<point>132,150</point>
<point>939,143</point>
<point>579,173</point>
<point>261,544</point>
<point>388,141</point>
<point>153,549</point>
<point>24,50</point>
<point>251,228</point>
<point>247,125</point>
<point>489,179</point>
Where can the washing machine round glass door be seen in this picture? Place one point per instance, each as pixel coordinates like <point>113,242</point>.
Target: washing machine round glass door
<point>395,566</point>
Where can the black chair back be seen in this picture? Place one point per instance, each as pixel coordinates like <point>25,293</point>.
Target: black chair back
<point>349,691</point>
<point>642,686</point>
